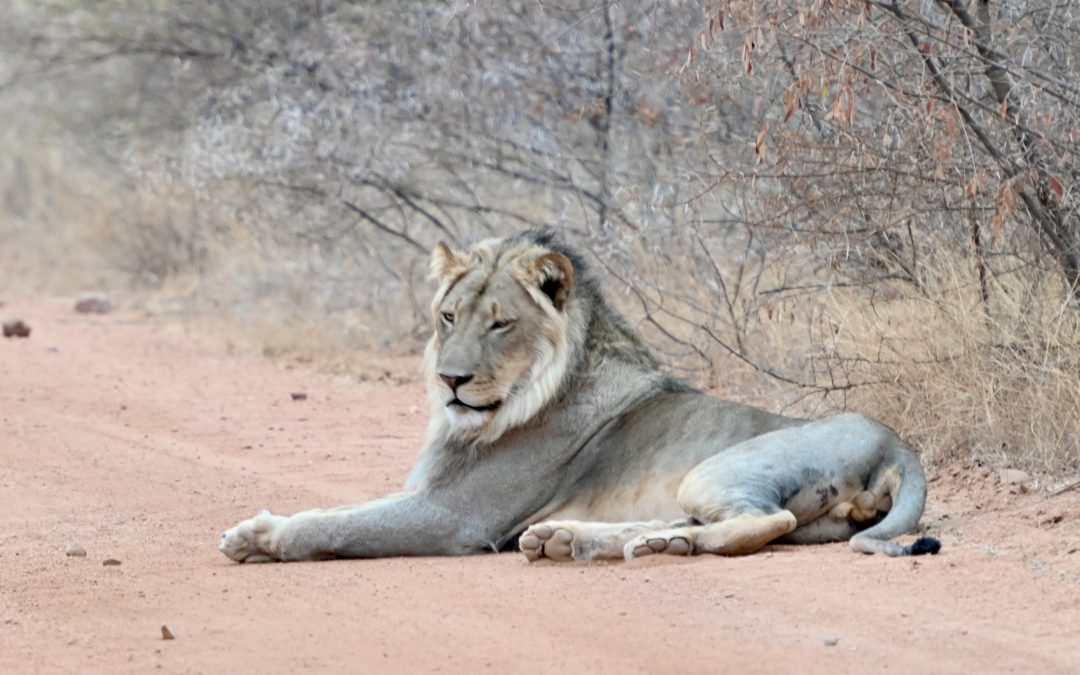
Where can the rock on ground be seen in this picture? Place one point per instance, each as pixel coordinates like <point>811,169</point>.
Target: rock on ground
<point>16,328</point>
<point>93,303</point>
<point>1014,476</point>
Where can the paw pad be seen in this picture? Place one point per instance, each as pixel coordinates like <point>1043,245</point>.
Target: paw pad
<point>545,541</point>
<point>646,545</point>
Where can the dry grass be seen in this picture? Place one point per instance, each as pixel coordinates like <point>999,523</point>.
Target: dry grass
<point>957,376</point>
<point>961,377</point>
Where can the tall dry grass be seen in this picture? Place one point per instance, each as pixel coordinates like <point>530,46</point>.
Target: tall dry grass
<point>956,374</point>
<point>962,377</point>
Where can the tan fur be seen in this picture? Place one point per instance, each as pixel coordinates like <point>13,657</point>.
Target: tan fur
<point>551,419</point>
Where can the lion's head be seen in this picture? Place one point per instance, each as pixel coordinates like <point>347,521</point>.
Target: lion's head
<point>506,327</point>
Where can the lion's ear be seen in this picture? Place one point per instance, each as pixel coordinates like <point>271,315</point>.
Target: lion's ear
<point>444,262</point>
<point>553,273</point>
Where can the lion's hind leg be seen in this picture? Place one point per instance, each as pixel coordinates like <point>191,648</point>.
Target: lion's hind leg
<point>735,511</point>
<point>843,520</point>
<point>741,535</point>
<point>564,540</point>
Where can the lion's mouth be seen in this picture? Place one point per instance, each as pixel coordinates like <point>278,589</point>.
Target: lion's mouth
<point>478,408</point>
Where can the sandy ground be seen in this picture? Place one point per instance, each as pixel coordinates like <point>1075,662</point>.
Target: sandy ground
<point>141,443</point>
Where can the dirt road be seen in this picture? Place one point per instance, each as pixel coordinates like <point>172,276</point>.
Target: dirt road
<point>141,443</point>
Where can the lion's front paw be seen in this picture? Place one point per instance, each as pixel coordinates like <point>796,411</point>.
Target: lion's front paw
<point>554,541</point>
<point>252,540</point>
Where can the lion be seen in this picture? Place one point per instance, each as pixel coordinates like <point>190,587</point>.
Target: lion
<point>553,425</point>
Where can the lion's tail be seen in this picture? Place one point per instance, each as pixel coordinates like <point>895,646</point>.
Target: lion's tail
<point>908,501</point>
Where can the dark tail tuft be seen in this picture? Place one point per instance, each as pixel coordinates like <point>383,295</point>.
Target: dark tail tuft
<point>924,545</point>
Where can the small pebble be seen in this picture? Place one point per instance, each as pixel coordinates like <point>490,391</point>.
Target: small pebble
<point>166,634</point>
<point>299,396</point>
<point>831,641</point>
<point>16,328</point>
<point>75,551</point>
<point>110,562</point>
<point>93,303</point>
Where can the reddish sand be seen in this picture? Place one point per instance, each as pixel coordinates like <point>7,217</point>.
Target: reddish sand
<point>142,443</point>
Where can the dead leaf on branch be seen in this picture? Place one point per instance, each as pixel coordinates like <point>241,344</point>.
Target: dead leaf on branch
<point>1058,189</point>
<point>792,101</point>
<point>759,144</point>
<point>754,37</point>
<point>1005,199</point>
<point>976,184</point>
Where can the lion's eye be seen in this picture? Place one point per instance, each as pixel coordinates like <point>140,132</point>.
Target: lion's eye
<point>502,325</point>
<point>448,317</point>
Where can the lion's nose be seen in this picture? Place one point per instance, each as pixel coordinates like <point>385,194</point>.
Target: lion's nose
<point>454,381</point>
